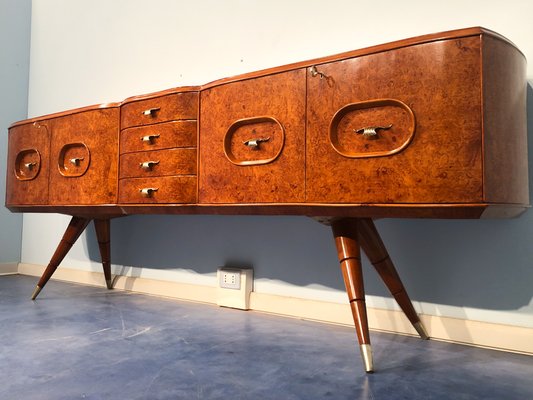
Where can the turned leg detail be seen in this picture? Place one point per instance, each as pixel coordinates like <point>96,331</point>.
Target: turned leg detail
<point>346,241</point>
<point>75,228</point>
<point>378,256</point>
<point>102,227</point>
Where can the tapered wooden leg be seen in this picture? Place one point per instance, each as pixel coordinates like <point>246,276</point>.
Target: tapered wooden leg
<point>75,228</point>
<point>346,240</point>
<point>102,227</point>
<point>376,252</point>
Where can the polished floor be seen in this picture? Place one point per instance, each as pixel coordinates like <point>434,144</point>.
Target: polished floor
<point>79,342</point>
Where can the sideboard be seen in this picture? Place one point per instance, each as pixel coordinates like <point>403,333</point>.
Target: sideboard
<point>427,127</point>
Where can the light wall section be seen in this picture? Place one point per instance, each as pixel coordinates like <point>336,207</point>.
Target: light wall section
<point>88,52</point>
<point>15,23</point>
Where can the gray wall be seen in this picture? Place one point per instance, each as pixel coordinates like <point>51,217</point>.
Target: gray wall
<point>15,22</point>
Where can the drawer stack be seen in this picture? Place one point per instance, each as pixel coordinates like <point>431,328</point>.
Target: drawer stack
<point>158,153</point>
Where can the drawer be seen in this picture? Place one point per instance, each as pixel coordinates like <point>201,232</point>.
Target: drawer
<point>159,109</point>
<point>169,189</point>
<point>158,163</point>
<point>28,164</point>
<point>161,136</point>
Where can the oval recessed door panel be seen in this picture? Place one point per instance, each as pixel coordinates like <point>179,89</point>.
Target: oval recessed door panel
<point>254,141</point>
<point>74,160</point>
<point>27,164</point>
<point>374,128</point>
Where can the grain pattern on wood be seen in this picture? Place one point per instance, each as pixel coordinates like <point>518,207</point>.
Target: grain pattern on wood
<point>504,127</point>
<point>281,97</point>
<point>440,82</point>
<point>93,137</point>
<point>159,109</point>
<point>28,164</point>
<point>159,136</point>
<point>158,163</point>
<point>168,189</point>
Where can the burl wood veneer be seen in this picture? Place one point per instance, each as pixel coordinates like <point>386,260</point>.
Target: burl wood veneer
<point>428,127</point>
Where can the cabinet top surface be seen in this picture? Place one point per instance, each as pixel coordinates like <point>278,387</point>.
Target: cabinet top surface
<point>453,34</point>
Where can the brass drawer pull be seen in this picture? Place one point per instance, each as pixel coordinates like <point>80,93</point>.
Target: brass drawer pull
<point>371,131</point>
<point>76,161</point>
<point>151,111</point>
<point>30,165</point>
<point>148,165</point>
<point>149,138</point>
<point>148,192</point>
<point>254,143</point>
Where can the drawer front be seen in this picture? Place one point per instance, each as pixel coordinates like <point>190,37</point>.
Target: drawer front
<point>84,158</point>
<point>170,189</point>
<point>252,142</point>
<point>159,109</point>
<point>158,163</point>
<point>28,164</point>
<point>160,136</point>
<point>402,126</point>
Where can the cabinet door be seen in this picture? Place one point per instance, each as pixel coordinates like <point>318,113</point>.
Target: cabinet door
<point>252,140</point>
<point>84,158</point>
<point>28,164</point>
<point>424,104</point>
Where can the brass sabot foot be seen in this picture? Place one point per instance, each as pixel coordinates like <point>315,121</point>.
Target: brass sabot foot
<point>421,330</point>
<point>366,353</point>
<point>36,292</point>
<point>109,283</point>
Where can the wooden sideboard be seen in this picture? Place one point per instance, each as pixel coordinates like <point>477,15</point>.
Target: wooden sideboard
<point>428,127</point>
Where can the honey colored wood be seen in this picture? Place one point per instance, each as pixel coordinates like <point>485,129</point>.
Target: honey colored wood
<point>169,189</point>
<point>163,163</point>
<point>164,108</point>
<point>504,116</point>
<point>281,97</point>
<point>28,162</point>
<point>427,127</point>
<point>441,83</point>
<point>93,137</point>
<point>102,227</point>
<point>161,136</point>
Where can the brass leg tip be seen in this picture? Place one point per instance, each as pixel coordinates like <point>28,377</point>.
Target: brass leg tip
<point>36,292</point>
<point>421,330</point>
<point>109,283</point>
<point>366,353</point>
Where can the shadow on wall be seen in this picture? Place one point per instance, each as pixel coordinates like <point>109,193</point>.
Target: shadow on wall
<point>467,263</point>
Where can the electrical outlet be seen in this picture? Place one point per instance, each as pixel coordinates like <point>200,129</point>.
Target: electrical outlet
<point>234,287</point>
<point>230,279</point>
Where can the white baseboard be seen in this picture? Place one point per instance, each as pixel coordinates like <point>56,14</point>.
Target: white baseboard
<point>476,333</point>
<point>8,268</point>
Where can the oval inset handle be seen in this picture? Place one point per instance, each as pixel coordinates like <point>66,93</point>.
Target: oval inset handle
<point>151,111</point>
<point>371,131</point>
<point>30,165</point>
<point>148,165</point>
<point>76,161</point>
<point>148,192</point>
<point>254,143</point>
<point>149,138</point>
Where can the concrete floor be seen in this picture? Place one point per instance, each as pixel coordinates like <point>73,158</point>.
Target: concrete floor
<point>79,342</point>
